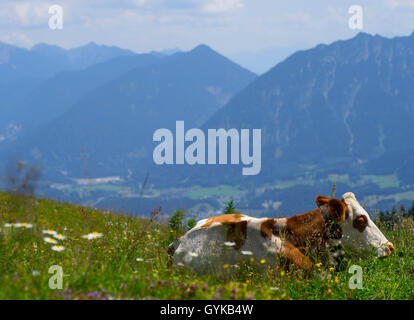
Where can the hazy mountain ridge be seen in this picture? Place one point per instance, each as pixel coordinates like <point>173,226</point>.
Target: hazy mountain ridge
<point>113,124</point>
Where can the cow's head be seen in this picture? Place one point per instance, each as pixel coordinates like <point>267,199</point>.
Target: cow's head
<point>359,232</point>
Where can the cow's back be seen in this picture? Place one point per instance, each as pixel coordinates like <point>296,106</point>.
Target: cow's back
<point>221,241</point>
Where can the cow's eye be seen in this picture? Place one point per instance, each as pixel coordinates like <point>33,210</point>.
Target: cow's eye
<point>360,223</point>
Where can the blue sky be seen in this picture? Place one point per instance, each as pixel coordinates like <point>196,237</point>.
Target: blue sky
<point>240,29</point>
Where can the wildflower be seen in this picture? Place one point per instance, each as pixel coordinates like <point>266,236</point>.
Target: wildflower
<point>229,244</point>
<point>92,235</point>
<point>27,225</point>
<point>225,266</point>
<point>318,264</point>
<point>249,297</point>
<point>139,259</point>
<point>49,240</point>
<point>274,288</point>
<point>36,273</point>
<point>247,253</point>
<point>58,248</point>
<point>282,273</point>
<point>59,236</point>
<point>205,287</point>
<point>13,225</point>
<point>329,291</point>
<point>331,269</point>
<point>262,261</point>
<point>50,232</point>
<point>336,280</point>
<point>234,289</point>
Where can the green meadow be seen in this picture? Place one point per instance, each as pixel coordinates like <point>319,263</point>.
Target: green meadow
<point>125,257</point>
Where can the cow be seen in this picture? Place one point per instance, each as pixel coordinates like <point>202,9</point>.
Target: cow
<point>224,240</point>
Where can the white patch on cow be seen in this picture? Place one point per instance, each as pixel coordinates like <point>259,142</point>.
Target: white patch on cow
<point>370,237</point>
<point>213,255</point>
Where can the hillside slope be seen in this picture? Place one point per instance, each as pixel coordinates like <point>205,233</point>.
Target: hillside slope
<point>127,259</point>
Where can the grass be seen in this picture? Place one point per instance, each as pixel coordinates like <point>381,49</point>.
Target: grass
<point>130,260</point>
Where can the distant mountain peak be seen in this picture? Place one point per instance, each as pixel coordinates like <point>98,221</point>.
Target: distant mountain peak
<point>202,48</point>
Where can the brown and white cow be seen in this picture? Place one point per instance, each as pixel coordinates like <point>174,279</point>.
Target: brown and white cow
<point>228,239</point>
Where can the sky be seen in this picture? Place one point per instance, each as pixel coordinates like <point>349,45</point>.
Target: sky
<point>255,33</point>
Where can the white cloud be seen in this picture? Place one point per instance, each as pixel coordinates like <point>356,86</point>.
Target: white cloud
<point>220,6</point>
<point>395,4</point>
<point>139,3</point>
<point>17,38</point>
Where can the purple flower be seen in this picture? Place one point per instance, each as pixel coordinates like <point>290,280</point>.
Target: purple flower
<point>249,297</point>
<point>220,289</point>
<point>205,287</point>
<point>234,289</point>
<point>217,296</point>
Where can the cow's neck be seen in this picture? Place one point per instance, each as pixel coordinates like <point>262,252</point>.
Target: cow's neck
<point>305,228</point>
<point>316,229</point>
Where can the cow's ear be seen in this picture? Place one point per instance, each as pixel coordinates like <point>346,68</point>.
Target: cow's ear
<point>337,210</point>
<point>321,200</point>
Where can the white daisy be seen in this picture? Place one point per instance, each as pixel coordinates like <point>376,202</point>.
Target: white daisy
<point>59,236</point>
<point>27,225</point>
<point>139,259</point>
<point>92,235</point>
<point>18,225</point>
<point>247,253</point>
<point>12,225</point>
<point>51,232</point>
<point>229,244</point>
<point>58,248</point>
<point>50,240</point>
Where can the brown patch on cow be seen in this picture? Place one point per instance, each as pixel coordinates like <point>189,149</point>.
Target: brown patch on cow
<point>295,256</point>
<point>268,229</point>
<point>338,210</point>
<point>360,223</point>
<point>306,228</point>
<point>236,232</point>
<point>226,218</point>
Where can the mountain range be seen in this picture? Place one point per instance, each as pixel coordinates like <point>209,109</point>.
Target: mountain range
<point>334,113</point>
